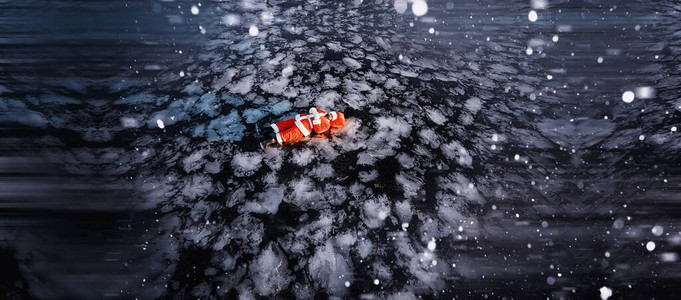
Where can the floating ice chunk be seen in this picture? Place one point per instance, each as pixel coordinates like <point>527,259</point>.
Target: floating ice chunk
<point>346,239</point>
<point>194,161</point>
<point>327,99</point>
<point>330,270</point>
<point>405,160</point>
<point>410,184</point>
<point>375,212</point>
<point>644,92</point>
<point>473,104</point>
<point>268,201</point>
<point>252,115</point>
<point>304,194</point>
<point>430,137</point>
<point>322,171</point>
<point>419,8</point>
<point>195,10</point>
<point>269,272</point>
<point>606,292</point>
<point>436,116</point>
<point>365,176</point>
<point>231,19</point>
<point>243,86</point>
<point>454,150</point>
<point>650,246</point>
<point>532,16</point>
<point>196,186</point>
<point>227,127</point>
<point>303,157</point>
<point>364,248</point>
<point>330,81</point>
<point>160,124</point>
<point>352,63</point>
<point>275,86</point>
<point>287,71</point>
<point>403,211</point>
<point>246,163</point>
<point>253,30</point>
<point>206,105</point>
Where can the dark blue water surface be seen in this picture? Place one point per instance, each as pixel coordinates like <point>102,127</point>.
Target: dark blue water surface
<point>487,154</point>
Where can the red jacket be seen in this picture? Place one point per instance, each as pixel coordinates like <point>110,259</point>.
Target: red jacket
<point>294,129</point>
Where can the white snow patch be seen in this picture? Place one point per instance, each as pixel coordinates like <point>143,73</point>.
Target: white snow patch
<point>628,96</point>
<point>650,246</point>
<point>606,292</point>
<point>253,30</point>
<point>532,16</point>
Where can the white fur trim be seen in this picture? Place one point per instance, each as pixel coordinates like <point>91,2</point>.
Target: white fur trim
<point>316,121</point>
<point>301,127</point>
<point>275,127</point>
<point>334,114</point>
<point>279,138</point>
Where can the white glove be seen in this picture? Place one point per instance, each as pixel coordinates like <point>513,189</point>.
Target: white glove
<point>316,120</point>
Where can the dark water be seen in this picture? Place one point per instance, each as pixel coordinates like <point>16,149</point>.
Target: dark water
<point>486,155</point>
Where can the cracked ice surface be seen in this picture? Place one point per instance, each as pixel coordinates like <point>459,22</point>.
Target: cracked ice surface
<point>414,196</point>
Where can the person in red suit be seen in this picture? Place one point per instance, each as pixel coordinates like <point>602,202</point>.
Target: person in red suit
<point>302,125</point>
